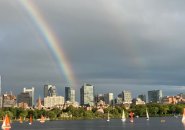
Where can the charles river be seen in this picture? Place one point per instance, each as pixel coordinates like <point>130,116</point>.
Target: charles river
<point>155,123</point>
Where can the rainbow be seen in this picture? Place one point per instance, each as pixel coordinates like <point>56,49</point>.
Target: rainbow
<point>51,40</point>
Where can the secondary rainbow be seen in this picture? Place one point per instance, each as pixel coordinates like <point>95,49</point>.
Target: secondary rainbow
<point>50,40</point>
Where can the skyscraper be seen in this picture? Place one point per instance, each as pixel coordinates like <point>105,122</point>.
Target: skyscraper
<point>25,97</point>
<point>49,90</point>
<point>142,97</point>
<point>31,92</point>
<point>155,96</point>
<point>69,94</point>
<point>126,96</point>
<point>108,98</point>
<point>87,95</point>
<point>0,85</point>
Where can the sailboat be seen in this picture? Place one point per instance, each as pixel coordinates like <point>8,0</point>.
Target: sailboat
<point>131,117</point>
<point>123,118</point>
<point>183,117</point>
<point>42,119</point>
<point>147,115</point>
<point>20,120</point>
<point>6,123</point>
<point>31,120</point>
<point>108,118</point>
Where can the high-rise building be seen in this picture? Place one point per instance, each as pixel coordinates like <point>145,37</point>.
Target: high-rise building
<point>155,96</point>
<point>108,98</point>
<point>53,101</point>
<point>49,90</point>
<point>87,95</point>
<point>31,92</point>
<point>69,94</point>
<point>9,100</point>
<point>25,97</point>
<point>1,101</point>
<point>98,97</point>
<point>142,97</point>
<point>126,96</point>
<point>0,85</point>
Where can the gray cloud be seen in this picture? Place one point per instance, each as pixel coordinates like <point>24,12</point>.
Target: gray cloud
<point>111,44</point>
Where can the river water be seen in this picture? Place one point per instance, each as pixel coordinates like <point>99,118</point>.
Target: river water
<point>158,123</point>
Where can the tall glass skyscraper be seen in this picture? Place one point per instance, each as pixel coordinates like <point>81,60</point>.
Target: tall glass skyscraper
<point>155,96</point>
<point>31,93</point>
<point>87,95</point>
<point>69,94</point>
<point>49,90</point>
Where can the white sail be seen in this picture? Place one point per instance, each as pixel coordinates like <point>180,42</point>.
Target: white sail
<point>123,118</point>
<point>147,115</point>
<point>108,118</point>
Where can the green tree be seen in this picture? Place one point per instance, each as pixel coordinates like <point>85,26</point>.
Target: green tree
<point>51,115</point>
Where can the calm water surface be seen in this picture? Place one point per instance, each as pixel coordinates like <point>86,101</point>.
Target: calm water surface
<point>171,123</point>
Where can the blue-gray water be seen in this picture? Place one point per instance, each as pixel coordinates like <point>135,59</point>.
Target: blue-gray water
<point>171,123</point>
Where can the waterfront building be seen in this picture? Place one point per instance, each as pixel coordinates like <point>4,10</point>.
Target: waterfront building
<point>1,101</point>
<point>126,97</point>
<point>155,96</point>
<point>108,98</point>
<point>54,101</point>
<point>49,90</point>
<point>9,100</point>
<point>23,105</point>
<point>68,103</point>
<point>25,97</point>
<point>172,100</point>
<point>142,97</point>
<point>31,91</point>
<point>98,97</point>
<point>138,101</point>
<point>87,95</point>
<point>69,94</point>
<point>118,100</point>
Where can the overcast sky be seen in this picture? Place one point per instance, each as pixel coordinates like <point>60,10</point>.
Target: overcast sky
<point>114,45</point>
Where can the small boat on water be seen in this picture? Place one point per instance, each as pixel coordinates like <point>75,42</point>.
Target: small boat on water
<point>42,119</point>
<point>147,115</point>
<point>6,123</point>
<point>131,114</point>
<point>31,120</point>
<point>123,118</point>
<point>108,117</point>
<point>183,117</point>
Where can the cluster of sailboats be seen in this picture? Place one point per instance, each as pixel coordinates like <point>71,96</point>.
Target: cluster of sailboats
<point>6,121</point>
<point>131,115</point>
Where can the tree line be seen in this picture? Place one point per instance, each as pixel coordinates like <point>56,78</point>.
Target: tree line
<point>81,113</point>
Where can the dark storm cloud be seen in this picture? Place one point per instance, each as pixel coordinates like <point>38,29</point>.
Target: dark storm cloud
<point>121,44</point>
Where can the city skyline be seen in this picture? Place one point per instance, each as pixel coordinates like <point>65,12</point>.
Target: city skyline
<point>113,45</point>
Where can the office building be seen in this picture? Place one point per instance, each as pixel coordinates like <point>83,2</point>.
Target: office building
<point>142,97</point>
<point>138,101</point>
<point>0,85</point>
<point>49,90</point>
<point>54,101</point>
<point>126,97</point>
<point>98,98</point>
<point>25,98</point>
<point>108,98</point>
<point>69,94</point>
<point>87,95</point>
<point>9,100</point>
<point>31,93</point>
<point>155,96</point>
